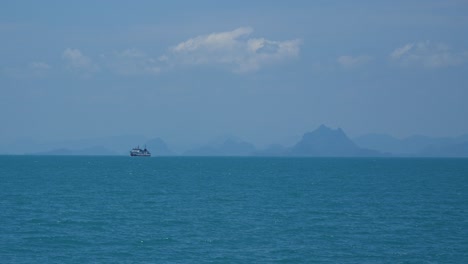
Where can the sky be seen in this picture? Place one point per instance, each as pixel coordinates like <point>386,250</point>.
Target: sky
<point>262,71</point>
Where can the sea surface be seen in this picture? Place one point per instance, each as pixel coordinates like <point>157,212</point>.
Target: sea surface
<point>57,209</point>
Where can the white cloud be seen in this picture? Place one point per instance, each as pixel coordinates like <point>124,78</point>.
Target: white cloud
<point>222,40</point>
<point>428,55</point>
<point>353,61</point>
<point>78,60</point>
<point>232,48</point>
<point>235,49</point>
<point>396,54</point>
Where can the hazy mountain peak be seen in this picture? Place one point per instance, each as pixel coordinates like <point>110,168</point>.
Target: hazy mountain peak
<point>325,141</point>
<point>323,128</point>
<point>325,133</point>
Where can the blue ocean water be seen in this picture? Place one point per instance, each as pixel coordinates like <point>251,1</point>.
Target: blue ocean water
<point>233,210</point>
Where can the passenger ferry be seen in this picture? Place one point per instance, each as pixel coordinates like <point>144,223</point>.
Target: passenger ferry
<point>138,152</point>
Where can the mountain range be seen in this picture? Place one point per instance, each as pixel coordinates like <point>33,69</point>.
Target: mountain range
<point>322,142</point>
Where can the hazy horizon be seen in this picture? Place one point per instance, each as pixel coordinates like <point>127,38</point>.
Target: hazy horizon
<point>266,73</point>
<point>125,142</point>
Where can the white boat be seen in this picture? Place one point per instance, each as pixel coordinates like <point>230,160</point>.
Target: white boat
<point>138,152</point>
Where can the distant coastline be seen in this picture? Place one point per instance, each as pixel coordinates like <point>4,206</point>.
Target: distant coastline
<point>321,142</point>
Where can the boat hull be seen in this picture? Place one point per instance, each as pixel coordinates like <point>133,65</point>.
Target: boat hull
<point>140,155</point>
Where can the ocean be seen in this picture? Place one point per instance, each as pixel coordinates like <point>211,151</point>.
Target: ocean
<point>60,209</point>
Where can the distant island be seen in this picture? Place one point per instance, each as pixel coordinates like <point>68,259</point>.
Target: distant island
<point>321,142</point>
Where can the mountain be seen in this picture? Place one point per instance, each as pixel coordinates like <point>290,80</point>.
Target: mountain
<point>230,147</point>
<point>327,142</point>
<point>158,147</point>
<point>411,146</point>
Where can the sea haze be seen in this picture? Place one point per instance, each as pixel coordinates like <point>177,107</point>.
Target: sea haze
<point>57,209</point>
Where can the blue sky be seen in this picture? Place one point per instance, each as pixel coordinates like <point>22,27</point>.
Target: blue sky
<point>264,71</point>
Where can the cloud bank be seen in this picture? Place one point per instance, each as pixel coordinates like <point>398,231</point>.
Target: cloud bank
<point>78,61</point>
<point>233,48</point>
<point>238,52</point>
<point>428,55</point>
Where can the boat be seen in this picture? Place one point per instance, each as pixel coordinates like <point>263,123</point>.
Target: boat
<point>138,152</point>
